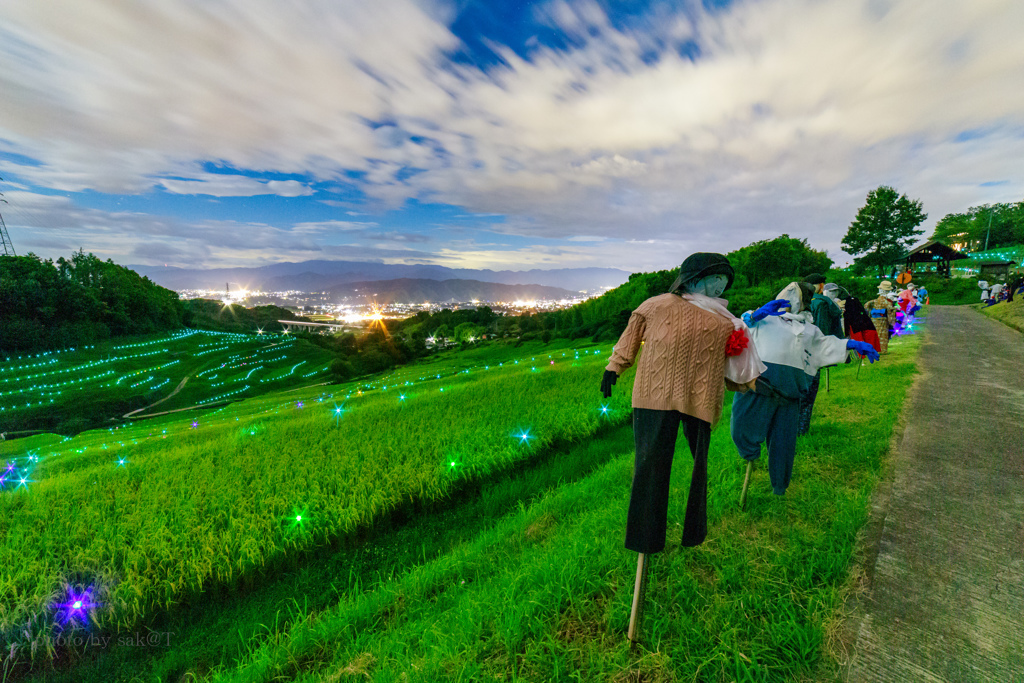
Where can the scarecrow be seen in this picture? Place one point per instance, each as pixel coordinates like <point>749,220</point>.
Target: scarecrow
<point>856,321</point>
<point>882,313</point>
<point>828,318</point>
<point>794,349</point>
<point>693,348</point>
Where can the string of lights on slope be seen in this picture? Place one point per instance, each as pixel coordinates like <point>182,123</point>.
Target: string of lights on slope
<point>355,392</point>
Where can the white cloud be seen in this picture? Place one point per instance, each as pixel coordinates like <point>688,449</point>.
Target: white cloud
<point>792,112</point>
<point>326,227</point>
<point>223,185</point>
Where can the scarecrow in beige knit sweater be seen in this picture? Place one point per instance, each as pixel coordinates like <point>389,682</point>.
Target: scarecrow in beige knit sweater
<point>693,347</point>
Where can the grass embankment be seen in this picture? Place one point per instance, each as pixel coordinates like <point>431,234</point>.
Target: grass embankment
<point>149,521</point>
<point>70,391</point>
<point>502,588</point>
<point>544,594</point>
<point>1010,313</point>
<point>222,629</point>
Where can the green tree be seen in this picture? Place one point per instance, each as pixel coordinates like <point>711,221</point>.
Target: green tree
<point>783,257</point>
<point>467,331</point>
<point>994,226</point>
<point>884,228</point>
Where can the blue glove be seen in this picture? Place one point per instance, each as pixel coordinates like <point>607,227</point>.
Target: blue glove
<point>863,348</point>
<point>773,307</point>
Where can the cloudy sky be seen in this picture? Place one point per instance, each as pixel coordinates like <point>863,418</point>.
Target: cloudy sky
<point>494,134</point>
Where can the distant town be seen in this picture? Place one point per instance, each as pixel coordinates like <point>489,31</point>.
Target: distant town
<point>357,310</point>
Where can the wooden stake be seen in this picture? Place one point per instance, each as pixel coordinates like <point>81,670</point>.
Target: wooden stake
<point>859,367</point>
<point>828,380</point>
<point>746,483</point>
<point>639,592</point>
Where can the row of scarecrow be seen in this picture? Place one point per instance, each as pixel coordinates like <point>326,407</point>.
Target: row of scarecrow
<point>772,357</point>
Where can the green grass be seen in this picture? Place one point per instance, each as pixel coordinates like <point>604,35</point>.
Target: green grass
<point>544,594</point>
<point>227,625</point>
<point>1010,313</point>
<point>527,578</point>
<point>157,514</point>
<point>68,391</point>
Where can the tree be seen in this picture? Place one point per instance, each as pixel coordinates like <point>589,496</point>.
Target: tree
<point>980,227</point>
<point>781,257</point>
<point>884,228</point>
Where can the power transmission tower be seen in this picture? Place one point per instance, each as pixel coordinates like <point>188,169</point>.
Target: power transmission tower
<point>5,239</point>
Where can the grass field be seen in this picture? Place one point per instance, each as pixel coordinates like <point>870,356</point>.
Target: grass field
<point>520,576</point>
<point>67,391</point>
<point>544,593</point>
<point>1010,313</point>
<point>141,519</point>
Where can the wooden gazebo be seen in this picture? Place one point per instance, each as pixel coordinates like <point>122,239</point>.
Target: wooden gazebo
<point>934,253</point>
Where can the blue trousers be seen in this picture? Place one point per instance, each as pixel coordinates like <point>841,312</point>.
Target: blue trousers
<point>807,404</point>
<point>758,419</point>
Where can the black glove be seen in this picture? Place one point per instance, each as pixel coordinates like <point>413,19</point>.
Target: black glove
<point>610,378</point>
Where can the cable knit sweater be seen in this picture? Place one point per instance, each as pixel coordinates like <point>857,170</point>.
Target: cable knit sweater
<point>683,364</point>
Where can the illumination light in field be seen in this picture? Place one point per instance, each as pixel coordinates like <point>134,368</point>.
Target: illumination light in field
<point>76,605</point>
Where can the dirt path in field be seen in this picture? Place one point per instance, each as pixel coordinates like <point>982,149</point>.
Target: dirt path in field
<point>180,386</point>
<point>945,600</point>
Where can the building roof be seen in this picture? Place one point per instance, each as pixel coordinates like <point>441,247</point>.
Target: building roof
<point>934,251</point>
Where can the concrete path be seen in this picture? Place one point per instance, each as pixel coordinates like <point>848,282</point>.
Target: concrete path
<point>946,594</point>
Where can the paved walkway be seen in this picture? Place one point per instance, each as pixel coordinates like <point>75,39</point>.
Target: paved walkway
<point>946,601</point>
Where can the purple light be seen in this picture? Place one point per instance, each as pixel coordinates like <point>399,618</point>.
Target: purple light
<point>76,606</point>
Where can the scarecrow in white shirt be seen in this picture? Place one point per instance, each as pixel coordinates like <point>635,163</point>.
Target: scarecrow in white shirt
<point>794,350</point>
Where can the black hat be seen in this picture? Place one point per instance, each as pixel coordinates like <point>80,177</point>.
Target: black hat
<point>815,279</point>
<point>701,265</point>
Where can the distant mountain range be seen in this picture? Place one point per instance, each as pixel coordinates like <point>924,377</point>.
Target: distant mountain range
<point>414,291</point>
<point>321,276</point>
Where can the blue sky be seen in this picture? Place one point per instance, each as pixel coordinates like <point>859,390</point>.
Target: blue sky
<point>506,135</point>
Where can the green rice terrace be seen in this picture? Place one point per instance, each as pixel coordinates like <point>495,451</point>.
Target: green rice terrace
<point>155,374</point>
<point>455,519</point>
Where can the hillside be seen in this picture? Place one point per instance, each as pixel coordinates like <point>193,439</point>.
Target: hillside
<point>47,305</point>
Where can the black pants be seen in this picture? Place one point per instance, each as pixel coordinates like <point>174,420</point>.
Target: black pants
<point>655,432</point>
